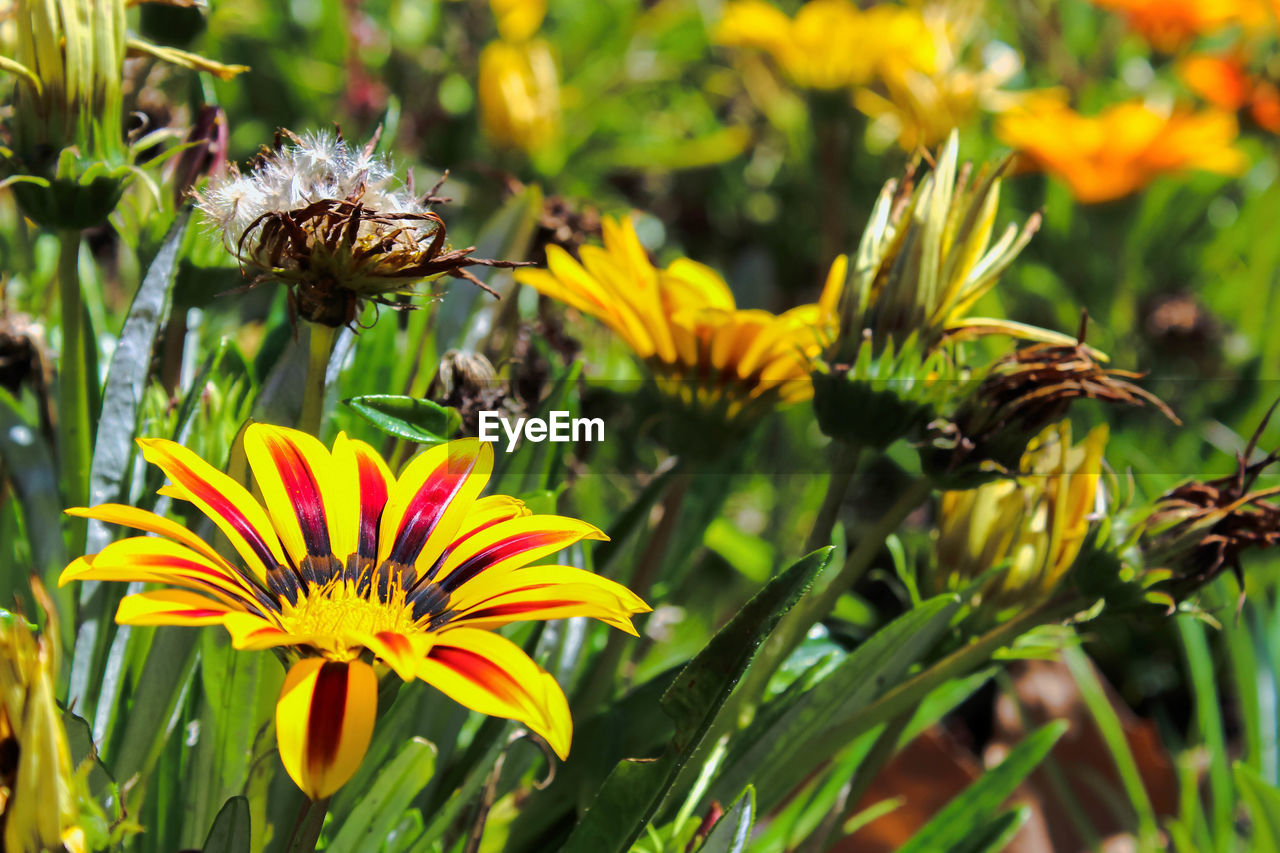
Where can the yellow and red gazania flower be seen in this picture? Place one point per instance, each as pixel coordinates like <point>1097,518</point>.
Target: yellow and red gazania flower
<point>683,322</point>
<point>347,569</point>
<point>1123,148</point>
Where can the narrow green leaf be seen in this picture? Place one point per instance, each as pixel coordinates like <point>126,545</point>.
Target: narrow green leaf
<point>230,832</point>
<point>28,464</point>
<point>733,830</point>
<point>771,750</point>
<point>996,835</point>
<point>634,791</point>
<point>409,418</point>
<point>962,819</point>
<point>126,380</point>
<point>113,453</point>
<point>1263,801</point>
<point>147,720</point>
<point>381,808</point>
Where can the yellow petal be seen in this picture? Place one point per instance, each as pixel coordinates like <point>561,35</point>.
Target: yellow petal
<point>170,607</point>
<point>311,510</point>
<point>140,519</point>
<point>544,592</point>
<point>324,721</point>
<point>429,501</point>
<point>227,503</point>
<point>492,675</point>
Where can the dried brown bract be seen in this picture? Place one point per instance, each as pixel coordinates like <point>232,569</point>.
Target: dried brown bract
<point>1199,529</point>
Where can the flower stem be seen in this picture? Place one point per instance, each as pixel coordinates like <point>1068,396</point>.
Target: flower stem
<point>73,389</point>
<point>796,624</point>
<point>306,829</point>
<point>842,468</point>
<point>601,679</point>
<point>322,338</point>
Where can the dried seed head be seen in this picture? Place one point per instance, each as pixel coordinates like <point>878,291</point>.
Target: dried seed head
<point>334,224</point>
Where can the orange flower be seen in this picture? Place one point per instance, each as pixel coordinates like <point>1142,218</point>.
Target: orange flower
<point>1226,83</point>
<point>1123,148</point>
<point>1170,24</point>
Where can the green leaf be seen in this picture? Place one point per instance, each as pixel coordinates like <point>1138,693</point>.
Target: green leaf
<point>230,831</point>
<point>126,380</point>
<point>965,817</point>
<point>151,711</point>
<point>407,417</point>
<point>29,466</point>
<point>772,750</point>
<point>634,791</point>
<point>381,808</point>
<point>113,454</point>
<point>733,830</point>
<point>1263,801</point>
<point>996,835</point>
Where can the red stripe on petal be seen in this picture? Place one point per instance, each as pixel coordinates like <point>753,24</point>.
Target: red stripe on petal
<point>221,505</point>
<point>515,609</point>
<point>303,490</point>
<point>428,506</point>
<point>501,550</point>
<point>396,643</point>
<point>324,720</point>
<point>373,498</point>
<point>479,670</point>
<point>199,613</point>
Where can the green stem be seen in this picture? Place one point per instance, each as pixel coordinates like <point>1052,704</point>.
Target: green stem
<point>322,338</point>
<point>600,680</point>
<point>796,624</point>
<point>842,468</point>
<point>75,437</point>
<point>306,829</point>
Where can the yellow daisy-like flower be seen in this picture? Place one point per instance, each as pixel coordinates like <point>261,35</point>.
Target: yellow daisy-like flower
<point>683,322</point>
<point>1123,148</point>
<point>831,44</point>
<point>347,568</point>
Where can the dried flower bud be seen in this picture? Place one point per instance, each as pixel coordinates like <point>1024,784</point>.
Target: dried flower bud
<point>1201,528</point>
<point>1017,397</point>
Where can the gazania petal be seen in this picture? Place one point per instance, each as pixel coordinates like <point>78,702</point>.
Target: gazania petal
<point>545,592</point>
<point>311,511</point>
<point>430,500</point>
<point>227,503</point>
<point>364,472</point>
<point>170,607</point>
<point>490,674</point>
<point>250,632</point>
<point>324,721</point>
<point>150,559</point>
<point>140,519</point>
<point>510,544</point>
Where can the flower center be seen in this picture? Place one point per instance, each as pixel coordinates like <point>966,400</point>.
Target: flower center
<point>337,615</point>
